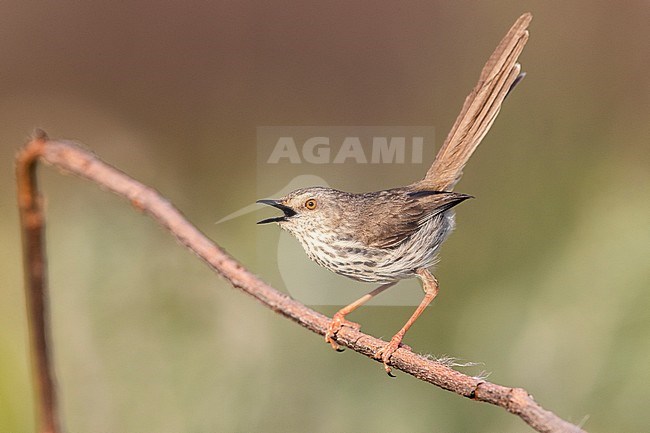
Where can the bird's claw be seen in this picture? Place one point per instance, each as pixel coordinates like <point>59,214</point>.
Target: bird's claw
<point>387,351</point>
<point>338,321</point>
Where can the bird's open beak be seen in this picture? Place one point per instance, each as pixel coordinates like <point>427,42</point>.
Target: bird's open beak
<point>288,212</point>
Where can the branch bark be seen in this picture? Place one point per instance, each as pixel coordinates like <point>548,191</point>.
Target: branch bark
<point>71,158</point>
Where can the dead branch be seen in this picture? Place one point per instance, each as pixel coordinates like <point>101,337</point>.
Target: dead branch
<point>32,222</point>
<point>71,158</point>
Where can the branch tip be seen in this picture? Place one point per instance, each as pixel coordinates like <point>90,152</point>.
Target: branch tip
<point>39,134</point>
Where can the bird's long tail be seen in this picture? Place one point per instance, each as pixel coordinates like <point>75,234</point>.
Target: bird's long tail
<point>499,75</point>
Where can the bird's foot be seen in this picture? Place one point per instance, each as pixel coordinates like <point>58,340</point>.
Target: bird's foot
<point>387,351</point>
<point>338,321</point>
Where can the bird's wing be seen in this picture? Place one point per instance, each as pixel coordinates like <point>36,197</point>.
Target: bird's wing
<point>388,224</point>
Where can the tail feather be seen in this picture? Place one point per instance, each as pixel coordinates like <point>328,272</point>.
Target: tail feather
<point>499,75</point>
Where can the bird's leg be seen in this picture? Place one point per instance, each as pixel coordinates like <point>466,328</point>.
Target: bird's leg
<point>338,320</point>
<point>430,287</point>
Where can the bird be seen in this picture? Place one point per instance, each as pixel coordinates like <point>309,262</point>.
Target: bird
<point>395,234</point>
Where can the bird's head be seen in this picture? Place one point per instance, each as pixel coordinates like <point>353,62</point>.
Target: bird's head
<point>306,209</point>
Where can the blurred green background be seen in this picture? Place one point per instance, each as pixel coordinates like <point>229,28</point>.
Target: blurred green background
<point>545,282</point>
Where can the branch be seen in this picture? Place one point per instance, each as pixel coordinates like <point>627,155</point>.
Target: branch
<point>71,158</point>
<point>32,222</point>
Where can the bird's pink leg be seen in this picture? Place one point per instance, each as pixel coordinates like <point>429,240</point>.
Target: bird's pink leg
<point>338,320</point>
<point>430,287</point>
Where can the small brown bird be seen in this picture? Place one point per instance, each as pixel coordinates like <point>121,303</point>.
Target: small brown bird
<point>386,236</point>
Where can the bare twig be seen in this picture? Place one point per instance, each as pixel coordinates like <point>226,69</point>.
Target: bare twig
<point>73,159</point>
<point>32,221</point>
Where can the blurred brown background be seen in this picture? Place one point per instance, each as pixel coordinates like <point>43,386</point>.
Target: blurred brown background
<point>545,281</point>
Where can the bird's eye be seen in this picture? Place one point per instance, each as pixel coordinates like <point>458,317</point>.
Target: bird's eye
<point>310,204</point>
